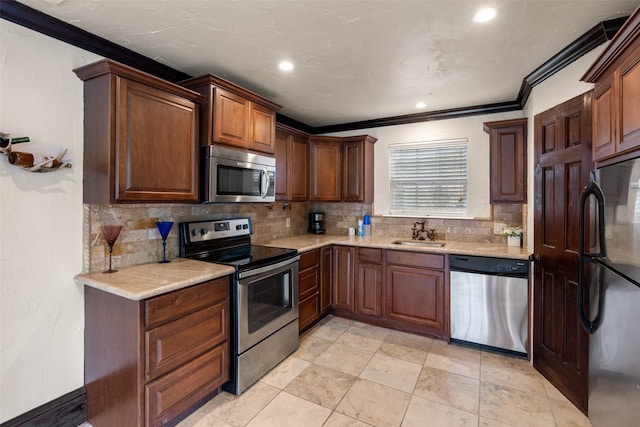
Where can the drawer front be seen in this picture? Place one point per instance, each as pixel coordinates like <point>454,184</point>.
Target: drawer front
<point>309,311</point>
<point>175,343</point>
<point>415,259</point>
<point>172,394</point>
<point>176,304</point>
<point>370,255</point>
<point>309,259</point>
<point>308,282</point>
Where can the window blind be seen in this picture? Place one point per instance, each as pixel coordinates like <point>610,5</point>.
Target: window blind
<point>428,177</point>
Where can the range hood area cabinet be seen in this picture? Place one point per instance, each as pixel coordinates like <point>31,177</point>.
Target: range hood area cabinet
<point>292,164</point>
<point>234,116</point>
<point>616,97</point>
<point>136,128</point>
<point>508,160</point>
<point>341,169</point>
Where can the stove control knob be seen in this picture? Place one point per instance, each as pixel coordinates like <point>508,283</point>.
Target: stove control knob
<point>203,231</point>
<point>238,227</point>
<point>194,232</point>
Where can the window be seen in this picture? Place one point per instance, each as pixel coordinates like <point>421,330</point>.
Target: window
<point>428,178</point>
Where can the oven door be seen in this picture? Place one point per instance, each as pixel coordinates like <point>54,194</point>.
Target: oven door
<point>267,301</point>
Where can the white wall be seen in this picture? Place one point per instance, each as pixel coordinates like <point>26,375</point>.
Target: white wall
<point>41,308</point>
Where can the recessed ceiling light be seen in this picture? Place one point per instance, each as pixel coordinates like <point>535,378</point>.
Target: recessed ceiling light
<point>484,15</point>
<point>285,66</point>
<point>421,105</point>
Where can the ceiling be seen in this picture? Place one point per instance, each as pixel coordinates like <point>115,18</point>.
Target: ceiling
<point>354,60</point>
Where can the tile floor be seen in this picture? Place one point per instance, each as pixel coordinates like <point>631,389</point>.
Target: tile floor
<point>347,373</point>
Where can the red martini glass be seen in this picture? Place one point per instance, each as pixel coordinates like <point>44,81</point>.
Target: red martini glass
<point>111,233</point>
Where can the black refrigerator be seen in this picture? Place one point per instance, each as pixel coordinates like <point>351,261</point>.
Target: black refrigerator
<point>609,292</point>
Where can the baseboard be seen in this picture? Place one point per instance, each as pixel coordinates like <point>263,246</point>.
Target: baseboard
<point>68,410</point>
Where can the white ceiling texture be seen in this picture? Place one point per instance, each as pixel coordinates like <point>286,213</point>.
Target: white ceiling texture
<point>353,60</point>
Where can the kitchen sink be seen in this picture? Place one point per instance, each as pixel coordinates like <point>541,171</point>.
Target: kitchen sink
<point>419,243</point>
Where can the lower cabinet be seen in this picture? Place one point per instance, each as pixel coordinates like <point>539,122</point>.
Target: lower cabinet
<point>344,278</point>
<point>146,362</point>
<point>368,289</point>
<point>315,286</point>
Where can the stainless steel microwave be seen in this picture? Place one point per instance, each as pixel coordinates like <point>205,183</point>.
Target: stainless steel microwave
<point>238,176</point>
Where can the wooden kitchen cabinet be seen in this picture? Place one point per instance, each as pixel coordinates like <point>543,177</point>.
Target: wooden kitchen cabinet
<point>137,127</point>
<point>292,160</point>
<point>616,98</point>
<point>357,169</point>
<point>344,278</point>
<point>326,277</point>
<point>234,116</point>
<point>508,160</point>
<point>314,286</point>
<point>417,294</point>
<point>147,362</point>
<point>368,290</point>
<point>325,168</point>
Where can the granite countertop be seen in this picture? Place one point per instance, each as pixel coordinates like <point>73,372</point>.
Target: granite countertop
<point>307,242</point>
<point>148,280</point>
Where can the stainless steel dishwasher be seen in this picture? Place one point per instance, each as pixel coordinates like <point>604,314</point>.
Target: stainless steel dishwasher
<point>489,302</point>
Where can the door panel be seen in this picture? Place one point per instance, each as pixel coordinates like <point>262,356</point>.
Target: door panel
<point>563,161</point>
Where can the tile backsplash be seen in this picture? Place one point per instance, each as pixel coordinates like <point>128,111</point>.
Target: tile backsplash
<point>140,242</point>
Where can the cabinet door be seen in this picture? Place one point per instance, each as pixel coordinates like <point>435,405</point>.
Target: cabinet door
<point>629,92</point>
<point>299,168</point>
<point>231,119</point>
<point>417,296</point>
<point>156,132</point>
<point>325,160</point>
<point>508,161</point>
<point>326,269</point>
<point>368,295</point>
<point>353,171</point>
<point>283,161</point>
<point>603,120</point>
<point>344,277</point>
<point>262,129</point>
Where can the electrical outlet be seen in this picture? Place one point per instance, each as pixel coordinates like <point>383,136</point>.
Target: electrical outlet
<point>288,222</point>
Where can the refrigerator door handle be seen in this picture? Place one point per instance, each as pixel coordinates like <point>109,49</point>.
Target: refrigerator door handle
<point>592,189</point>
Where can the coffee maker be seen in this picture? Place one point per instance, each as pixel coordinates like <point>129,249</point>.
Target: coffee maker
<point>316,223</point>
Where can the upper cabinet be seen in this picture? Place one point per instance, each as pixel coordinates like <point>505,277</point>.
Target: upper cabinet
<point>341,169</point>
<point>508,160</point>
<point>136,128</point>
<point>292,160</point>
<point>234,116</point>
<point>616,98</point>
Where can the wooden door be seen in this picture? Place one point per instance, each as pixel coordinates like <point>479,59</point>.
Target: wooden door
<point>563,161</point>
<point>299,168</point>
<point>231,119</point>
<point>344,278</point>
<point>368,289</point>
<point>325,171</point>
<point>262,129</point>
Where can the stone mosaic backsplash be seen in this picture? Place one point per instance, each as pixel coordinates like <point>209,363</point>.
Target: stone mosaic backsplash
<point>140,242</point>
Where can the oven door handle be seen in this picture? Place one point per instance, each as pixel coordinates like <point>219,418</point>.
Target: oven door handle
<point>270,267</point>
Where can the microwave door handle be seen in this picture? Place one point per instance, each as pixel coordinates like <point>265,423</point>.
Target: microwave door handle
<point>265,183</point>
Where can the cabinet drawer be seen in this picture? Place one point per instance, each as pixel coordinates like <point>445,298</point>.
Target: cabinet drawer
<point>309,311</point>
<point>172,344</point>
<point>415,259</point>
<point>176,304</point>
<point>167,397</point>
<point>309,259</point>
<point>370,255</point>
<point>308,282</point>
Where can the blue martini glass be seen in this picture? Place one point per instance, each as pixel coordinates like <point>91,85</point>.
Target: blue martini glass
<point>164,227</point>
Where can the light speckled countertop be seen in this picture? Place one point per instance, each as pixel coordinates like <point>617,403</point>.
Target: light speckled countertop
<point>307,242</point>
<point>147,280</point>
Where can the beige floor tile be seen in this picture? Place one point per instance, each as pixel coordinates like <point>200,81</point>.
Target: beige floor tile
<point>343,358</point>
<point>284,372</point>
<point>455,359</point>
<point>340,420</point>
<point>488,422</point>
<point>392,372</point>
<point>514,407</point>
<point>423,412</point>
<point>399,351</point>
<point>567,415</point>
<point>321,385</point>
<point>311,347</point>
<point>287,410</point>
<point>359,341</point>
<point>410,340</point>
<point>553,392</point>
<point>239,410</point>
<point>374,404</point>
<point>511,372</point>
<point>369,331</point>
<point>450,389</point>
<point>202,417</point>
<point>330,329</point>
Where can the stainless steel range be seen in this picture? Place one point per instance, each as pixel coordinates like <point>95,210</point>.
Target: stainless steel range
<point>264,318</point>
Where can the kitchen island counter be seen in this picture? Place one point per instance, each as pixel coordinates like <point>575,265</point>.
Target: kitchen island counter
<point>148,280</point>
<point>308,242</point>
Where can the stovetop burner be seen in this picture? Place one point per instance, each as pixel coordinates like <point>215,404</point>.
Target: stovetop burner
<point>228,242</point>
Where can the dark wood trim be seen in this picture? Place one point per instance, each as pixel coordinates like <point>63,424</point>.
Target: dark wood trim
<point>67,410</point>
<point>23,15</point>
